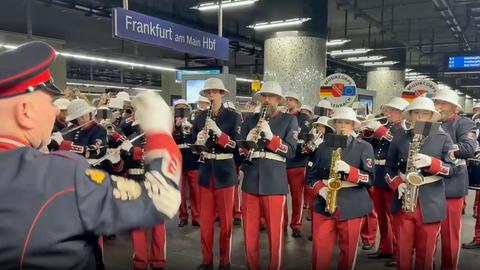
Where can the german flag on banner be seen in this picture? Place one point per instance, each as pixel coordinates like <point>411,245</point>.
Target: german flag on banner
<point>337,90</point>
<point>408,96</point>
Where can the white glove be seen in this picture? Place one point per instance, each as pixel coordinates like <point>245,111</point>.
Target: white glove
<point>251,135</point>
<point>211,125</point>
<point>341,166</point>
<point>421,161</point>
<point>165,197</point>
<point>318,141</point>
<point>126,145</point>
<point>265,128</point>
<point>323,192</point>
<point>401,189</point>
<point>125,189</point>
<point>57,137</point>
<point>202,137</point>
<point>373,125</point>
<point>153,113</point>
<point>114,155</point>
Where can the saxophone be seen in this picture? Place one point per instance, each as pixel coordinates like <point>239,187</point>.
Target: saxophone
<point>334,183</point>
<point>413,177</point>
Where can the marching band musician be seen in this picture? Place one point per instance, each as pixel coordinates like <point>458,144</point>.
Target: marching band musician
<point>265,182</point>
<point>89,139</point>
<point>296,166</point>
<point>65,204</point>
<point>182,133</point>
<point>319,129</point>
<point>60,121</point>
<point>475,243</point>
<point>462,131</point>
<point>217,129</point>
<point>381,136</point>
<point>307,110</point>
<point>356,170</point>
<point>418,211</point>
<point>323,108</point>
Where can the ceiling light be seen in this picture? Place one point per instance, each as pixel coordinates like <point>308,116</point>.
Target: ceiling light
<point>113,86</point>
<point>337,42</point>
<point>267,25</point>
<point>379,64</point>
<point>349,52</point>
<point>408,69</point>
<point>7,46</point>
<point>365,58</point>
<point>225,4</point>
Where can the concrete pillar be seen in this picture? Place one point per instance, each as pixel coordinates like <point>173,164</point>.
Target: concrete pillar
<point>468,104</point>
<point>387,83</point>
<point>461,100</point>
<point>297,61</point>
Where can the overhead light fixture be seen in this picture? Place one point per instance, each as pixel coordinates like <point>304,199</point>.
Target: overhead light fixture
<point>337,42</point>
<point>7,46</point>
<point>379,64</point>
<point>349,52</point>
<point>365,58</point>
<point>275,24</point>
<point>225,4</point>
<point>113,86</point>
<point>470,86</point>
<point>408,69</point>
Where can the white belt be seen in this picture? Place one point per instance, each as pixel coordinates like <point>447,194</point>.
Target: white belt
<point>184,146</point>
<point>268,155</point>
<point>206,155</point>
<point>300,141</point>
<point>345,184</point>
<point>380,162</point>
<point>136,171</point>
<point>461,162</point>
<point>426,179</point>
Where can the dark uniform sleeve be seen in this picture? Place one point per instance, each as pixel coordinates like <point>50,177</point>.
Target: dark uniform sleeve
<point>102,213</point>
<point>444,165</point>
<point>286,146</point>
<point>365,174</point>
<point>227,140</point>
<point>98,144</point>
<point>315,172</point>
<point>392,166</point>
<point>466,142</point>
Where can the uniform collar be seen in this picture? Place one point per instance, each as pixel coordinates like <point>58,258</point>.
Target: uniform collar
<point>10,142</point>
<point>219,111</point>
<point>89,126</point>
<point>451,118</point>
<point>276,113</point>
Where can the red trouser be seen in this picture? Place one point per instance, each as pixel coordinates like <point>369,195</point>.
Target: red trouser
<point>414,235</point>
<point>157,250</point>
<point>237,204</point>
<point>325,234</point>
<point>216,202</point>
<point>295,181</point>
<point>382,202</point>
<point>476,202</point>
<point>369,226</point>
<point>450,233</point>
<point>310,197</point>
<point>272,206</point>
<point>190,178</point>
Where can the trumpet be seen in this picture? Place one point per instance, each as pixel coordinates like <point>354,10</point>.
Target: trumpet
<point>116,150</point>
<point>310,144</point>
<point>108,125</point>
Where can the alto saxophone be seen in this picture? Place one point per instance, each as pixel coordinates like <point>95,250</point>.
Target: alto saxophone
<point>413,177</point>
<point>334,183</point>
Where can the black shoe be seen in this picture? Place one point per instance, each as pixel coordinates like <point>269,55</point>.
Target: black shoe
<point>224,267</point>
<point>296,233</point>
<point>392,263</point>
<point>157,268</point>
<point>368,246</point>
<point>183,223</point>
<point>379,256</point>
<point>263,227</point>
<point>237,221</point>
<point>471,245</point>
<point>463,211</point>
<point>308,218</point>
<point>195,224</point>
<point>310,238</point>
<point>205,267</point>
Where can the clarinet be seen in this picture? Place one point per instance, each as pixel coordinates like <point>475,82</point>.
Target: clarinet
<point>258,133</point>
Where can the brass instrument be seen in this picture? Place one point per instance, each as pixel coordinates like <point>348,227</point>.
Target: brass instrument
<point>413,177</point>
<point>310,144</point>
<point>108,125</point>
<point>258,133</point>
<point>186,127</point>
<point>334,183</point>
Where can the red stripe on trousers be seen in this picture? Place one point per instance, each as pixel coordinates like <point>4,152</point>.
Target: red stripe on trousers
<point>220,200</point>
<point>296,178</point>
<point>382,201</point>
<point>157,250</point>
<point>450,233</point>
<point>370,225</point>
<point>190,178</point>
<point>272,206</point>
<point>325,234</point>
<point>415,237</point>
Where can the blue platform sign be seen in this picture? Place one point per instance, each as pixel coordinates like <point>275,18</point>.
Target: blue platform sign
<point>139,27</point>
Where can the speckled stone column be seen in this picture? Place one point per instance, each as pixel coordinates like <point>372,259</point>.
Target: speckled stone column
<point>297,61</point>
<point>468,104</point>
<point>386,83</point>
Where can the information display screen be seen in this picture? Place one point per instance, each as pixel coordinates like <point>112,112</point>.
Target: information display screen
<point>463,62</point>
<point>193,88</point>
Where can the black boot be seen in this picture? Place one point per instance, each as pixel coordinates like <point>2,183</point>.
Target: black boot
<point>205,267</point>
<point>296,233</point>
<point>224,267</point>
<point>471,245</point>
<point>183,223</point>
